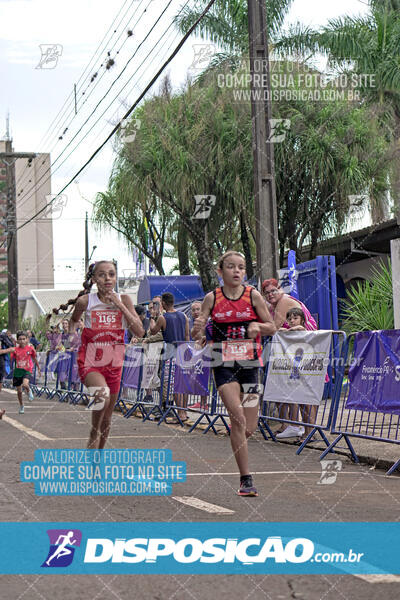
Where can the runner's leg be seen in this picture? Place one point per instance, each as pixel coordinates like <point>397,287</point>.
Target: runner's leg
<point>250,403</point>
<point>105,425</point>
<point>230,394</point>
<point>19,395</point>
<point>95,379</point>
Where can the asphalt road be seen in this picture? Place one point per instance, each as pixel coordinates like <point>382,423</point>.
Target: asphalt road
<point>288,491</point>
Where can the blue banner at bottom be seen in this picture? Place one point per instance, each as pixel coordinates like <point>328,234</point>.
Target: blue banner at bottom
<point>221,548</point>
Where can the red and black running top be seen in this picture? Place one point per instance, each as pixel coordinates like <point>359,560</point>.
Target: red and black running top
<point>231,318</point>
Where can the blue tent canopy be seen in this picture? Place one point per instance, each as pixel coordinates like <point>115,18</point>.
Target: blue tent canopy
<point>185,288</point>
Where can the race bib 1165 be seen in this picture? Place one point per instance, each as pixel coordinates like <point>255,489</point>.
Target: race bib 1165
<point>106,319</point>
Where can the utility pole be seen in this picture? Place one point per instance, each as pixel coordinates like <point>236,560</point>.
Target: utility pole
<point>263,150</point>
<point>8,158</point>
<point>86,243</point>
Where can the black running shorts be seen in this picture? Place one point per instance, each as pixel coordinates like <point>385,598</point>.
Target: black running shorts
<point>242,375</point>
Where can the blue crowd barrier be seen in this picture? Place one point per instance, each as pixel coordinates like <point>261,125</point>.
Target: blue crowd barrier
<point>158,400</point>
<point>366,422</point>
<point>59,377</point>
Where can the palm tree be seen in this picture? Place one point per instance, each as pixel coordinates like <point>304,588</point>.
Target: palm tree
<point>362,45</point>
<point>226,22</point>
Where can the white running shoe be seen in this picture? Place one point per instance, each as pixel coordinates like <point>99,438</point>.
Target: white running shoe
<point>290,431</point>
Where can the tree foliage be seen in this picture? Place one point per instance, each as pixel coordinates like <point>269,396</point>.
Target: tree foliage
<point>366,45</point>
<point>369,305</point>
<point>199,142</point>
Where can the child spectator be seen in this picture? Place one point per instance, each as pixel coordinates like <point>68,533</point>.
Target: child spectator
<point>295,320</point>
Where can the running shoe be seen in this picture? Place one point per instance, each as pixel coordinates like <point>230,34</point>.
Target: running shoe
<point>21,410</point>
<point>246,486</point>
<point>30,395</point>
<point>289,432</point>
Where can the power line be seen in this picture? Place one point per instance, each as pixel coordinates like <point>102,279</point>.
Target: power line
<point>97,105</point>
<point>77,145</point>
<point>56,124</point>
<point>132,108</point>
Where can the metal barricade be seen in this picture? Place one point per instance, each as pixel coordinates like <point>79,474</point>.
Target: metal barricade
<point>372,424</point>
<point>38,384</point>
<point>140,384</point>
<point>75,387</point>
<point>187,384</point>
<point>317,420</point>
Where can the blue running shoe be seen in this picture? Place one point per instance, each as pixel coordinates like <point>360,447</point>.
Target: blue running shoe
<point>246,486</point>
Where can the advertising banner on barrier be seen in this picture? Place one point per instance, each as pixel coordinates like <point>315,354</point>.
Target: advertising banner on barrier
<point>151,360</point>
<point>52,368</point>
<point>297,367</point>
<point>374,376</point>
<point>132,366</point>
<point>63,366</point>
<point>192,372</point>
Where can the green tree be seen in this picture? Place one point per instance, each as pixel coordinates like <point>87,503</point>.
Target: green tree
<point>193,144</point>
<point>226,23</point>
<point>3,315</point>
<point>333,150</point>
<point>199,141</point>
<point>363,45</point>
<point>369,305</point>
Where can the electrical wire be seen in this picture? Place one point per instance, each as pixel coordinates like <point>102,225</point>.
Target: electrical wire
<point>62,127</point>
<point>131,109</point>
<point>97,105</point>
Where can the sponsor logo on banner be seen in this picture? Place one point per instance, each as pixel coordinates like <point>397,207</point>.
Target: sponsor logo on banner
<point>374,374</point>
<point>297,366</point>
<point>62,547</point>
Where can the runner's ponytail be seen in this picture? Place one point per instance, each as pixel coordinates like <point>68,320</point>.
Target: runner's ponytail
<point>87,286</point>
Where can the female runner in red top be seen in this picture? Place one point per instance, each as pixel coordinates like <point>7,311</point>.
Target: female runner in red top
<point>239,316</point>
<point>102,350</point>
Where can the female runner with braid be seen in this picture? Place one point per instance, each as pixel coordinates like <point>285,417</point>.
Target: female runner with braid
<point>101,354</point>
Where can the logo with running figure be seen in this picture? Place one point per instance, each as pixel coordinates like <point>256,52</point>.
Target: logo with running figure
<point>62,547</point>
<point>298,357</point>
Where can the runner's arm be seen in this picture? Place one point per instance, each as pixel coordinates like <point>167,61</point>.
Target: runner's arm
<point>80,307</point>
<point>199,325</point>
<point>159,325</point>
<point>267,326</point>
<point>130,314</point>
<point>7,350</point>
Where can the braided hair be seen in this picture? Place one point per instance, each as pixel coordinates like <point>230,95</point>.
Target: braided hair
<point>87,286</point>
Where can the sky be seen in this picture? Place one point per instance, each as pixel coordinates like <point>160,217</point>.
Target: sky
<point>41,104</point>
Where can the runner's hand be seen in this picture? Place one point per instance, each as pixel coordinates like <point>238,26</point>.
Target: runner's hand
<point>112,298</point>
<point>253,330</point>
<point>198,325</point>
